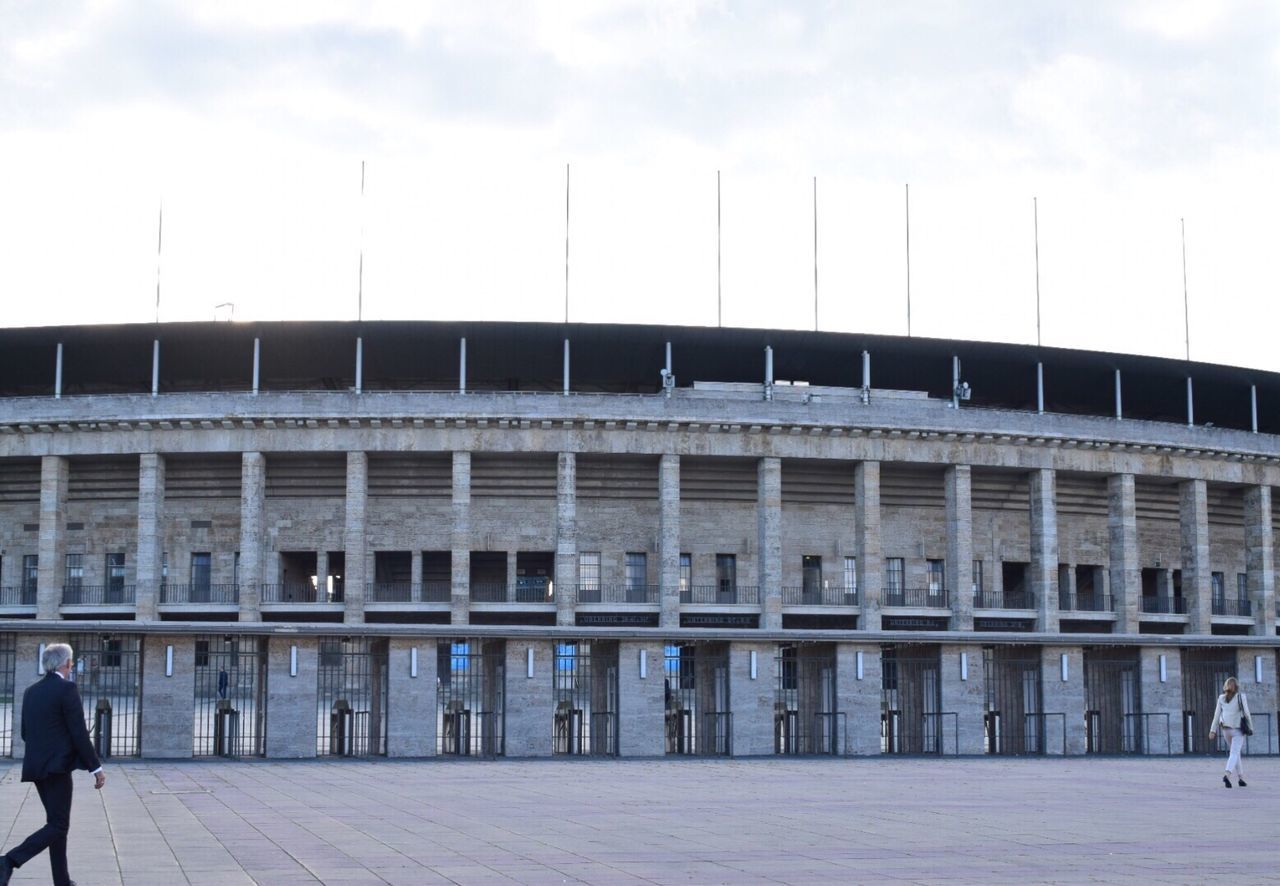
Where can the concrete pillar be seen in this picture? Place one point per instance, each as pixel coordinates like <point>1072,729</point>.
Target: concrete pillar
<point>769,546</point>
<point>858,698</point>
<point>1044,548</point>
<point>1064,697</point>
<point>669,538</point>
<point>54,471</point>
<point>1259,558</point>
<point>752,700</point>
<point>1261,696</point>
<point>965,732</point>
<point>866,482</point>
<point>1126,574</point>
<point>354,537</point>
<point>1162,697</point>
<point>411,700</point>
<point>253,492</point>
<point>959,502</point>
<point>566,538</point>
<point>168,714</point>
<point>150,534</point>
<point>26,670</point>
<point>460,544</point>
<point>642,702</point>
<point>530,700</point>
<point>1197,580</point>
<point>322,574</point>
<point>292,727</point>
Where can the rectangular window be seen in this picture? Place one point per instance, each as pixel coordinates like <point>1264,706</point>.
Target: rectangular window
<point>726,578</point>
<point>202,653</point>
<point>235,570</point>
<point>111,650</point>
<point>637,570</point>
<point>811,574</point>
<point>937,576</point>
<point>115,571</point>
<point>201,569</point>
<point>895,569</point>
<point>1242,586</point>
<point>977,578</point>
<point>75,570</point>
<point>851,575</point>
<point>1219,583</point>
<point>589,576</point>
<point>30,577</point>
<point>686,572</point>
<point>164,568</point>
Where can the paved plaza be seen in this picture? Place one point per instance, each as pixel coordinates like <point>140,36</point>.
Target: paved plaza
<point>1166,820</point>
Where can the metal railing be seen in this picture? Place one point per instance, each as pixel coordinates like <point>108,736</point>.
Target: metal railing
<point>1146,730</point>
<point>18,595</point>
<point>819,596</point>
<point>97,595</point>
<point>922,598</point>
<point>1004,600</point>
<point>500,592</point>
<point>1229,606</point>
<point>1164,605</point>
<point>830,733</point>
<point>409,592</point>
<point>930,738</point>
<point>299,593</point>
<point>195,594</point>
<point>1086,602</point>
<point>720,594</point>
<point>595,593</point>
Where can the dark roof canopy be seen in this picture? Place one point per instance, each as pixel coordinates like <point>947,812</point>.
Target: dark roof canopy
<point>614,358</point>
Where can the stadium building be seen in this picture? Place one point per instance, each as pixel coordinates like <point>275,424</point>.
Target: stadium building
<point>420,539</point>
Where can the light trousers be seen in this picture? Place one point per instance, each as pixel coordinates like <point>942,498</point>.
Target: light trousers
<point>1235,739</point>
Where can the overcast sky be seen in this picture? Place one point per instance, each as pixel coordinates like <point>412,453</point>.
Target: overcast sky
<point>249,121</point>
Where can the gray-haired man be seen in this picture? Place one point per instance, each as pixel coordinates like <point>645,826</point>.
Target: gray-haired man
<point>57,743</point>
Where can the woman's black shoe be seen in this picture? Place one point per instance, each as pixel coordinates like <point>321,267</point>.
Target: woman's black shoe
<point>1226,782</point>
<point>1242,782</point>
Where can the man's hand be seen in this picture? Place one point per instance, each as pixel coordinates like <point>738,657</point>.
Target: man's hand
<point>99,780</point>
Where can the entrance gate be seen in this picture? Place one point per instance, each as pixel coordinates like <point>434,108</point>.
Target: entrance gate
<point>805,719</point>
<point>1203,673</point>
<point>231,696</point>
<point>352,695</point>
<point>1014,716</point>
<point>696,687</point>
<point>8,689</point>
<point>586,694</point>
<point>911,700</point>
<point>1113,721</point>
<point>470,700</point>
<point>108,674</point>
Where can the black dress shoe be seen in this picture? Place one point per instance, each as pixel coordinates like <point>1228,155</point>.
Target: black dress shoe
<point>1242,782</point>
<point>1226,782</point>
<point>6,870</point>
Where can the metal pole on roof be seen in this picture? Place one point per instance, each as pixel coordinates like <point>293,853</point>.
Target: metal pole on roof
<point>566,243</point>
<point>908,192</point>
<point>360,271</point>
<point>1253,404</point>
<point>719,279</point>
<point>159,244</point>
<point>1035,212</point>
<point>815,253</point>
<point>1186,311</point>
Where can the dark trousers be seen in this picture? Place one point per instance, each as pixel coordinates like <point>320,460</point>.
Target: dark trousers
<point>55,794</point>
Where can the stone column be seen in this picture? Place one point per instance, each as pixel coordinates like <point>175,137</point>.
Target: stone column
<point>530,701</point>
<point>1063,697</point>
<point>1044,548</point>
<point>752,700</point>
<point>669,538</point>
<point>150,534</point>
<point>641,701</point>
<point>1126,576</point>
<point>292,728</point>
<point>866,482</point>
<point>460,559</point>
<point>1162,698</point>
<point>859,698</point>
<point>566,538</point>
<point>1260,695</point>
<point>354,537</point>
<point>52,550</point>
<point>1197,580</point>
<point>415,574</point>
<point>967,698</point>
<point>322,575</point>
<point>168,716</point>
<point>1259,558</point>
<point>959,500</point>
<point>253,489</point>
<point>769,530</point>
<point>411,701</point>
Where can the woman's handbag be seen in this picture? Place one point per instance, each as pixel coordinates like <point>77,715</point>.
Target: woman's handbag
<point>1245,726</point>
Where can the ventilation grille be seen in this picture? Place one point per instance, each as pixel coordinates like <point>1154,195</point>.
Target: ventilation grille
<point>411,475</point>
<point>207,476</point>
<point>620,476</point>
<point>1082,495</point>
<point>1156,501</point>
<point>1001,491</point>
<point>513,476</point>
<point>718,479</point>
<point>913,487</point>
<point>19,480</point>
<point>306,477</point>
<point>103,480</point>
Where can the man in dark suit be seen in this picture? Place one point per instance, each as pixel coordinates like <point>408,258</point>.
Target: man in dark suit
<point>57,744</point>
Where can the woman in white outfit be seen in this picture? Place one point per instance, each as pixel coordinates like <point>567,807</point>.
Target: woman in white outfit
<point>1231,708</point>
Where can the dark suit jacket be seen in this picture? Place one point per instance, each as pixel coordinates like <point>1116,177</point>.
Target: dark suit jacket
<point>53,729</point>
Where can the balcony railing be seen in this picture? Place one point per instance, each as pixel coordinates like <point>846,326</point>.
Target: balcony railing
<point>720,594</point>
<point>1004,600</point>
<point>98,595</point>
<point>1164,605</point>
<point>409,592</point>
<point>195,594</point>
<point>1228,606</point>
<point>299,593</point>
<point>619,593</point>
<point>19,595</point>
<point>922,598</point>
<point>525,591</point>
<point>819,596</point>
<point>1086,603</point>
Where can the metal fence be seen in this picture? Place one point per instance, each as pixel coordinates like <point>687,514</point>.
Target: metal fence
<point>17,595</point>
<point>97,595</point>
<point>1004,600</point>
<point>920,598</point>
<point>1013,715</point>
<point>471,697</point>
<point>8,690</point>
<point>303,592</point>
<point>805,717</point>
<point>723,594</point>
<point>230,696</point>
<point>1203,673</point>
<point>696,689</point>
<point>1164,605</point>
<point>409,592</point>
<point>1230,606</point>
<point>810,595</point>
<point>352,696</point>
<point>108,673</point>
<point>585,687</point>
<point>1086,602</point>
<point>1113,703</point>
<point>911,715</point>
<point>224,594</point>
<point>619,593</point>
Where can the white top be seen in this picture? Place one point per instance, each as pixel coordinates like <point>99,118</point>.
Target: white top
<point>1228,713</point>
